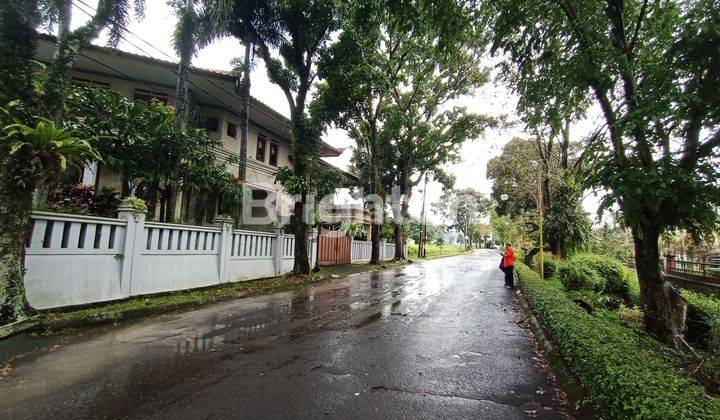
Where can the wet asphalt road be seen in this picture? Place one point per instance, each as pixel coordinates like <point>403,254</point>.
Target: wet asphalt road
<point>437,339</point>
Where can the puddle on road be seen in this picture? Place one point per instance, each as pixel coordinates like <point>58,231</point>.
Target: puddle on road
<point>369,320</point>
<point>252,345</point>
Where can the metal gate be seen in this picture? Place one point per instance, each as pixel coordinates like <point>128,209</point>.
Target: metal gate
<point>333,248</point>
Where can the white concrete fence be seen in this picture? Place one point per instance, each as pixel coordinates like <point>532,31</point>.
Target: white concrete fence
<point>360,251</point>
<point>77,260</point>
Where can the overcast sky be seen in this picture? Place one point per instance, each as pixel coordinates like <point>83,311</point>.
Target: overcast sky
<point>493,99</point>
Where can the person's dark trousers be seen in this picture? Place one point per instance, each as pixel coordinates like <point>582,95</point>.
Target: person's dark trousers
<point>509,278</point>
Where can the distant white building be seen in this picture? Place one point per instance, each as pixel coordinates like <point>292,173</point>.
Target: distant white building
<point>452,237</point>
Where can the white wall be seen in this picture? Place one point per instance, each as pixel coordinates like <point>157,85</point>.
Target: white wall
<point>77,260</point>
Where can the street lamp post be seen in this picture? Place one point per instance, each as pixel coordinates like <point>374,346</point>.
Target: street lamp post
<point>504,197</point>
<point>539,203</point>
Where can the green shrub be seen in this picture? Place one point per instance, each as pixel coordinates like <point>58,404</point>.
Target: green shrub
<point>579,277</point>
<point>615,275</point>
<point>703,319</point>
<point>137,204</point>
<point>625,380</point>
<point>550,267</point>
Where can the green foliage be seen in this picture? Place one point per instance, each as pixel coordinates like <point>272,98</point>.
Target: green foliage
<point>706,310</point>
<point>576,277</point>
<point>353,229</point>
<point>137,204</point>
<point>631,317</point>
<point>625,380</point>
<point>52,148</point>
<point>551,266</point>
<point>613,242</point>
<point>84,199</point>
<point>140,142</point>
<point>462,209</point>
<point>615,275</point>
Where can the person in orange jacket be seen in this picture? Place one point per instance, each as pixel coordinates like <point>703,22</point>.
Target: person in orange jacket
<point>509,266</point>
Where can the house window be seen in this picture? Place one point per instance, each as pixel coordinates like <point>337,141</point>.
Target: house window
<point>260,152</point>
<point>148,96</point>
<point>231,130</point>
<point>256,210</point>
<point>273,154</point>
<point>212,124</point>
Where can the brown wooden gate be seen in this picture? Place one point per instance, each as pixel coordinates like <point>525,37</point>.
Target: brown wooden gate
<point>333,248</point>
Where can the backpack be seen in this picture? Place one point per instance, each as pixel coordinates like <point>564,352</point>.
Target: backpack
<point>502,263</point>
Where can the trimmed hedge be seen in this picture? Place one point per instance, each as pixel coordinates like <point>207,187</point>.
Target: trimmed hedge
<point>625,381</point>
<point>578,277</point>
<point>615,275</point>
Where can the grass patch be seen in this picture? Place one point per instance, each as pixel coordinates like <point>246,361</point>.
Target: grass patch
<point>624,376</point>
<point>433,251</point>
<point>156,304</point>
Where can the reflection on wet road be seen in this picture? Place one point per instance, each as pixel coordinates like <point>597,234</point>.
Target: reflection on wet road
<point>433,339</point>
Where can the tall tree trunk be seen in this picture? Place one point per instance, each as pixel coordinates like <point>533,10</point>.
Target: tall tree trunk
<point>18,19</point>
<point>405,194</point>
<point>245,120</point>
<point>399,225</point>
<point>15,210</point>
<point>68,47</point>
<point>181,98</point>
<point>57,82</point>
<point>376,189</point>
<point>375,229</point>
<point>152,198</point>
<point>302,261</point>
<point>665,308</point>
<point>304,148</point>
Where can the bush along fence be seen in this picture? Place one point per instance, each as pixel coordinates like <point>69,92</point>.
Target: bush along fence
<point>77,260</point>
<point>625,381</point>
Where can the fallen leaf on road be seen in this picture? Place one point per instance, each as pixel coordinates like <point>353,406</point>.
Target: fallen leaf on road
<point>540,391</point>
<point>6,370</point>
<point>531,413</point>
<point>54,348</point>
<point>548,408</point>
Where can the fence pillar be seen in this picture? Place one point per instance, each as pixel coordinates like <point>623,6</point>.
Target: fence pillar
<point>313,247</point>
<point>668,262</point>
<point>132,246</point>
<point>383,249</point>
<point>278,249</point>
<point>226,224</point>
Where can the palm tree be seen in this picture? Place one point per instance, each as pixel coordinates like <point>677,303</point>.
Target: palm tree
<point>196,27</point>
<point>111,14</point>
<point>33,156</point>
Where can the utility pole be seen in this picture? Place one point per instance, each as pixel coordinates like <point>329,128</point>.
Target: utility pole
<point>540,220</point>
<point>245,94</point>
<point>423,223</point>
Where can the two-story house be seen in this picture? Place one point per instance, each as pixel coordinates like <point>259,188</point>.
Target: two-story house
<point>214,92</point>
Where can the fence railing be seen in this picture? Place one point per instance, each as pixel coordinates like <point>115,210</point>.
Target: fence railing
<point>77,260</point>
<point>694,268</point>
<point>361,251</point>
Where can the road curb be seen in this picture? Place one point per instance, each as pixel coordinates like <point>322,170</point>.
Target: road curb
<point>566,378</point>
<point>21,326</point>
